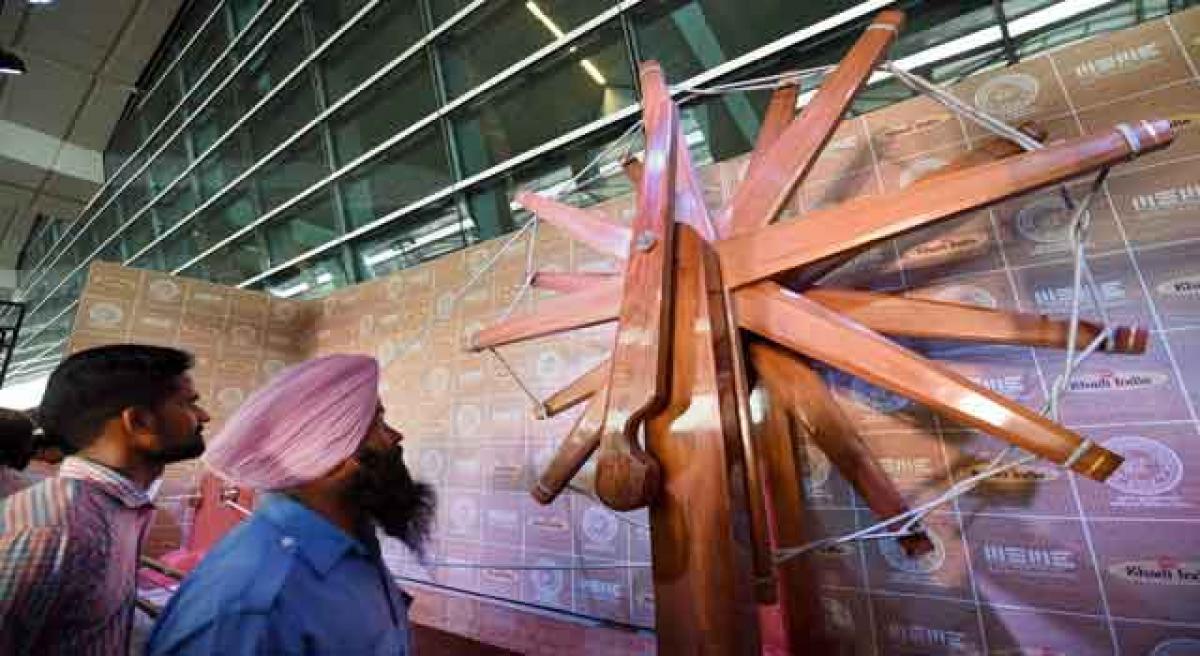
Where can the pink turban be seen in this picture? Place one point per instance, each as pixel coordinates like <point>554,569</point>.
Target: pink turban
<point>311,417</point>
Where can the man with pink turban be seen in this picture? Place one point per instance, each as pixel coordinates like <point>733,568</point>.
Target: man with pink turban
<point>303,575</point>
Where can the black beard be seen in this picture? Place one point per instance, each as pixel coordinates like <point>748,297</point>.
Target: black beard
<point>385,490</point>
<point>186,451</point>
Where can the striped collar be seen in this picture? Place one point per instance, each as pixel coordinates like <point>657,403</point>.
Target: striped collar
<point>125,490</point>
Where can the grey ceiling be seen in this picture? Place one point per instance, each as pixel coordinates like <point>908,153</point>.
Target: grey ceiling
<point>84,59</point>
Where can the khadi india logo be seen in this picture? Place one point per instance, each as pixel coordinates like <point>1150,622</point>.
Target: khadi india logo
<point>1008,96</point>
<point>1121,61</point>
<point>1052,298</point>
<point>945,249</point>
<point>926,637</point>
<point>1030,560</point>
<point>1171,199</point>
<point>599,526</point>
<point>1150,467</point>
<point>1165,570</point>
<point>968,294</point>
<point>1184,286</point>
<point>1044,221</point>
<point>1117,381</point>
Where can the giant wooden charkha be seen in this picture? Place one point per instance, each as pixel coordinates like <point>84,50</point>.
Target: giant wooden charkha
<point>709,305</point>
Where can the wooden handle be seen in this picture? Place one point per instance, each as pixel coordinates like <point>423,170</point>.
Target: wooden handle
<point>626,477</point>
<point>782,247</point>
<point>581,442</point>
<point>931,319</point>
<point>760,197</point>
<point>794,321</point>
<point>793,384</point>
<point>577,391</point>
<point>580,310</point>
<point>587,226</point>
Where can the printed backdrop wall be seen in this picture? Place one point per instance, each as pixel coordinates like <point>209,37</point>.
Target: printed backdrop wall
<point>1036,560</point>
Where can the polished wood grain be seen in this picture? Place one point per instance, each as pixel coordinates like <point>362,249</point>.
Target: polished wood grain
<point>626,477</point>
<point>588,226</point>
<point>793,385</point>
<point>554,315</point>
<point>579,445</point>
<point>690,208</point>
<point>578,390</point>
<point>700,533</point>
<point>782,247</point>
<point>906,316</point>
<point>781,110</point>
<point>793,321</point>
<point>760,197</point>
<point>793,523</point>
<point>568,283</point>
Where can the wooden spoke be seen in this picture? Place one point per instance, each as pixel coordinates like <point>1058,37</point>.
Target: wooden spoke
<point>791,320</point>
<point>571,282</point>
<point>587,226</point>
<point>759,198</point>
<point>572,453</point>
<point>928,319</point>
<point>782,247</point>
<point>781,110</point>
<point>578,390</point>
<point>626,477</point>
<point>792,384</point>
<point>689,195</point>
<point>555,315</point>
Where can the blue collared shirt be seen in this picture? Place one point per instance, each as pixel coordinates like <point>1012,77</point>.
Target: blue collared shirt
<point>286,581</point>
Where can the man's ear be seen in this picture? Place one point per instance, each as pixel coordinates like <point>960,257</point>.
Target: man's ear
<point>137,420</point>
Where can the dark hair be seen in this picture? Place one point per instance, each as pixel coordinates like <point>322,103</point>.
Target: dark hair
<point>16,438</point>
<point>92,386</point>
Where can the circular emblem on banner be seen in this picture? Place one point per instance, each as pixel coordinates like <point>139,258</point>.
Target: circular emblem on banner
<point>969,294</point>
<point>918,168</point>
<point>549,364</point>
<point>877,398</point>
<point>468,419</point>
<point>1177,647</point>
<point>231,397</point>
<point>547,584</point>
<point>1044,221</point>
<point>163,291</point>
<point>272,367</point>
<point>105,315</point>
<point>437,380</point>
<point>838,614</point>
<point>243,335</point>
<point>1007,96</point>
<point>599,525</point>
<point>898,560</point>
<point>1150,467</point>
<point>816,467</point>
<point>431,464</point>
<point>464,513</point>
<point>283,310</point>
